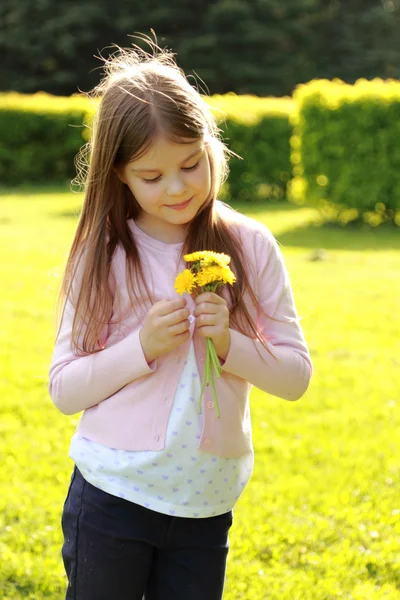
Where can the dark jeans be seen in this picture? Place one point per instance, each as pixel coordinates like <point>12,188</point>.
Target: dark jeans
<point>117,550</point>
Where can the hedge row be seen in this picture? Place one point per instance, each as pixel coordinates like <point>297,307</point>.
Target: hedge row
<point>258,130</point>
<point>332,144</point>
<point>41,134</point>
<point>345,148</point>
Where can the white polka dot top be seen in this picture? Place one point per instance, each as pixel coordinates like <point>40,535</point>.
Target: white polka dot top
<point>179,480</point>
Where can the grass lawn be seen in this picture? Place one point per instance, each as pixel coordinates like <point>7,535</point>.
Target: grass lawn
<point>320,518</point>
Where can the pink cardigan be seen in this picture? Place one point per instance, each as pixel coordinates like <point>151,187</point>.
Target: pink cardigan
<point>127,402</point>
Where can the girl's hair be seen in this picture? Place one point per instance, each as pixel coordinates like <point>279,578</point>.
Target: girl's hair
<point>142,96</point>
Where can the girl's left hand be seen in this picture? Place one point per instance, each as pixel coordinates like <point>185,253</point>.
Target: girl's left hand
<point>212,321</point>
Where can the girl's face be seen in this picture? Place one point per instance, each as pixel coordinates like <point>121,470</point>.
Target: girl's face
<point>170,183</point>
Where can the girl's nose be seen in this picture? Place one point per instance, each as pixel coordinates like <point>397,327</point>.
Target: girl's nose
<point>176,187</point>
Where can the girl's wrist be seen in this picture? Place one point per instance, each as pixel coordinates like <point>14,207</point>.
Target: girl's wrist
<point>222,348</point>
<point>147,354</point>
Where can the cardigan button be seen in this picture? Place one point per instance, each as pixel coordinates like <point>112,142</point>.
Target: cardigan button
<point>210,404</point>
<point>207,443</point>
<point>203,360</point>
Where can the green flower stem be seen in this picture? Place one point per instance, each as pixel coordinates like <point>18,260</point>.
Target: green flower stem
<point>214,357</point>
<point>206,377</point>
<point>212,361</point>
<point>209,368</point>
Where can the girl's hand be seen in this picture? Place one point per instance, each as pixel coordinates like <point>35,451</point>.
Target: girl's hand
<point>212,321</point>
<point>165,328</point>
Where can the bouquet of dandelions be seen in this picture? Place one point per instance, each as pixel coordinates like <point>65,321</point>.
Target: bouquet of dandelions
<point>208,271</point>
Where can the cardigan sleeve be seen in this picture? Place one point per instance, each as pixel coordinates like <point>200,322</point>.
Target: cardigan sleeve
<point>286,373</point>
<point>80,382</point>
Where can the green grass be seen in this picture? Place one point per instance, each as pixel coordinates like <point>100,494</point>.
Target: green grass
<point>320,518</point>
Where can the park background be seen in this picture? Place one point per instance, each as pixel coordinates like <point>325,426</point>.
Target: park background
<point>307,93</point>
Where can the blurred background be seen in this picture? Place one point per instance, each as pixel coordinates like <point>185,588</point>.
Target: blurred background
<point>262,47</point>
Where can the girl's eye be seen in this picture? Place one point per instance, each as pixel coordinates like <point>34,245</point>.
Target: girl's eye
<point>192,168</point>
<point>152,180</point>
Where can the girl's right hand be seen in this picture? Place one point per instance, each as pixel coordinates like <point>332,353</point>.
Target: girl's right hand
<point>165,328</point>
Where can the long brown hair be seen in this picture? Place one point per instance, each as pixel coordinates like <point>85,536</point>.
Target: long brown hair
<point>142,95</point>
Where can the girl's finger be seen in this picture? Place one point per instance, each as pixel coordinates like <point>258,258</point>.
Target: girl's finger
<point>210,297</point>
<point>179,327</point>
<point>207,307</point>
<point>206,319</point>
<point>207,331</point>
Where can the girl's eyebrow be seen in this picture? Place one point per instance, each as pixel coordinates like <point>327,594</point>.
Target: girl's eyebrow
<point>158,170</point>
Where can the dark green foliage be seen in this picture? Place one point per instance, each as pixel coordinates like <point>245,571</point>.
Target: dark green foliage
<point>264,147</point>
<point>263,47</point>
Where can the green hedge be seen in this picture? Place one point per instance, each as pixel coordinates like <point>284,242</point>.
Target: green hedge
<point>41,134</point>
<point>258,130</point>
<point>345,148</point>
<point>339,142</point>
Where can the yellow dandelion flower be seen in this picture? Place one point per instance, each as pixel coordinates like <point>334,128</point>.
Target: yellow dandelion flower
<point>217,258</point>
<point>208,275</point>
<point>215,274</point>
<point>185,282</point>
<point>208,257</point>
<point>227,275</point>
<point>195,256</point>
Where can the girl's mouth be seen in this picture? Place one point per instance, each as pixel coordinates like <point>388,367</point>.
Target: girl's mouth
<point>180,206</point>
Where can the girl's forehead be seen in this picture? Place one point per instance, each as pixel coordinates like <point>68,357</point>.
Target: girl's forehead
<point>163,148</point>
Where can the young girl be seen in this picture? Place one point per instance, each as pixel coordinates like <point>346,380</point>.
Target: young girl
<point>150,501</point>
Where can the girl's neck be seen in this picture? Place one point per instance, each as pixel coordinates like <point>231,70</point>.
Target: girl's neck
<point>175,235</point>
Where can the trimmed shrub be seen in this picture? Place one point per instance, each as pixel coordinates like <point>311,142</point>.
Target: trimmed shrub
<point>345,151</point>
<point>259,131</point>
<point>41,135</point>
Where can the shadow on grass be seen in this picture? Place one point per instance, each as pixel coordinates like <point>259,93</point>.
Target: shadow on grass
<point>315,234</point>
<point>251,208</point>
<point>66,214</point>
<point>331,237</point>
<point>311,234</point>
<point>28,189</point>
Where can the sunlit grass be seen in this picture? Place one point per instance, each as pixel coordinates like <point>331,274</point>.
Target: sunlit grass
<point>320,518</point>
